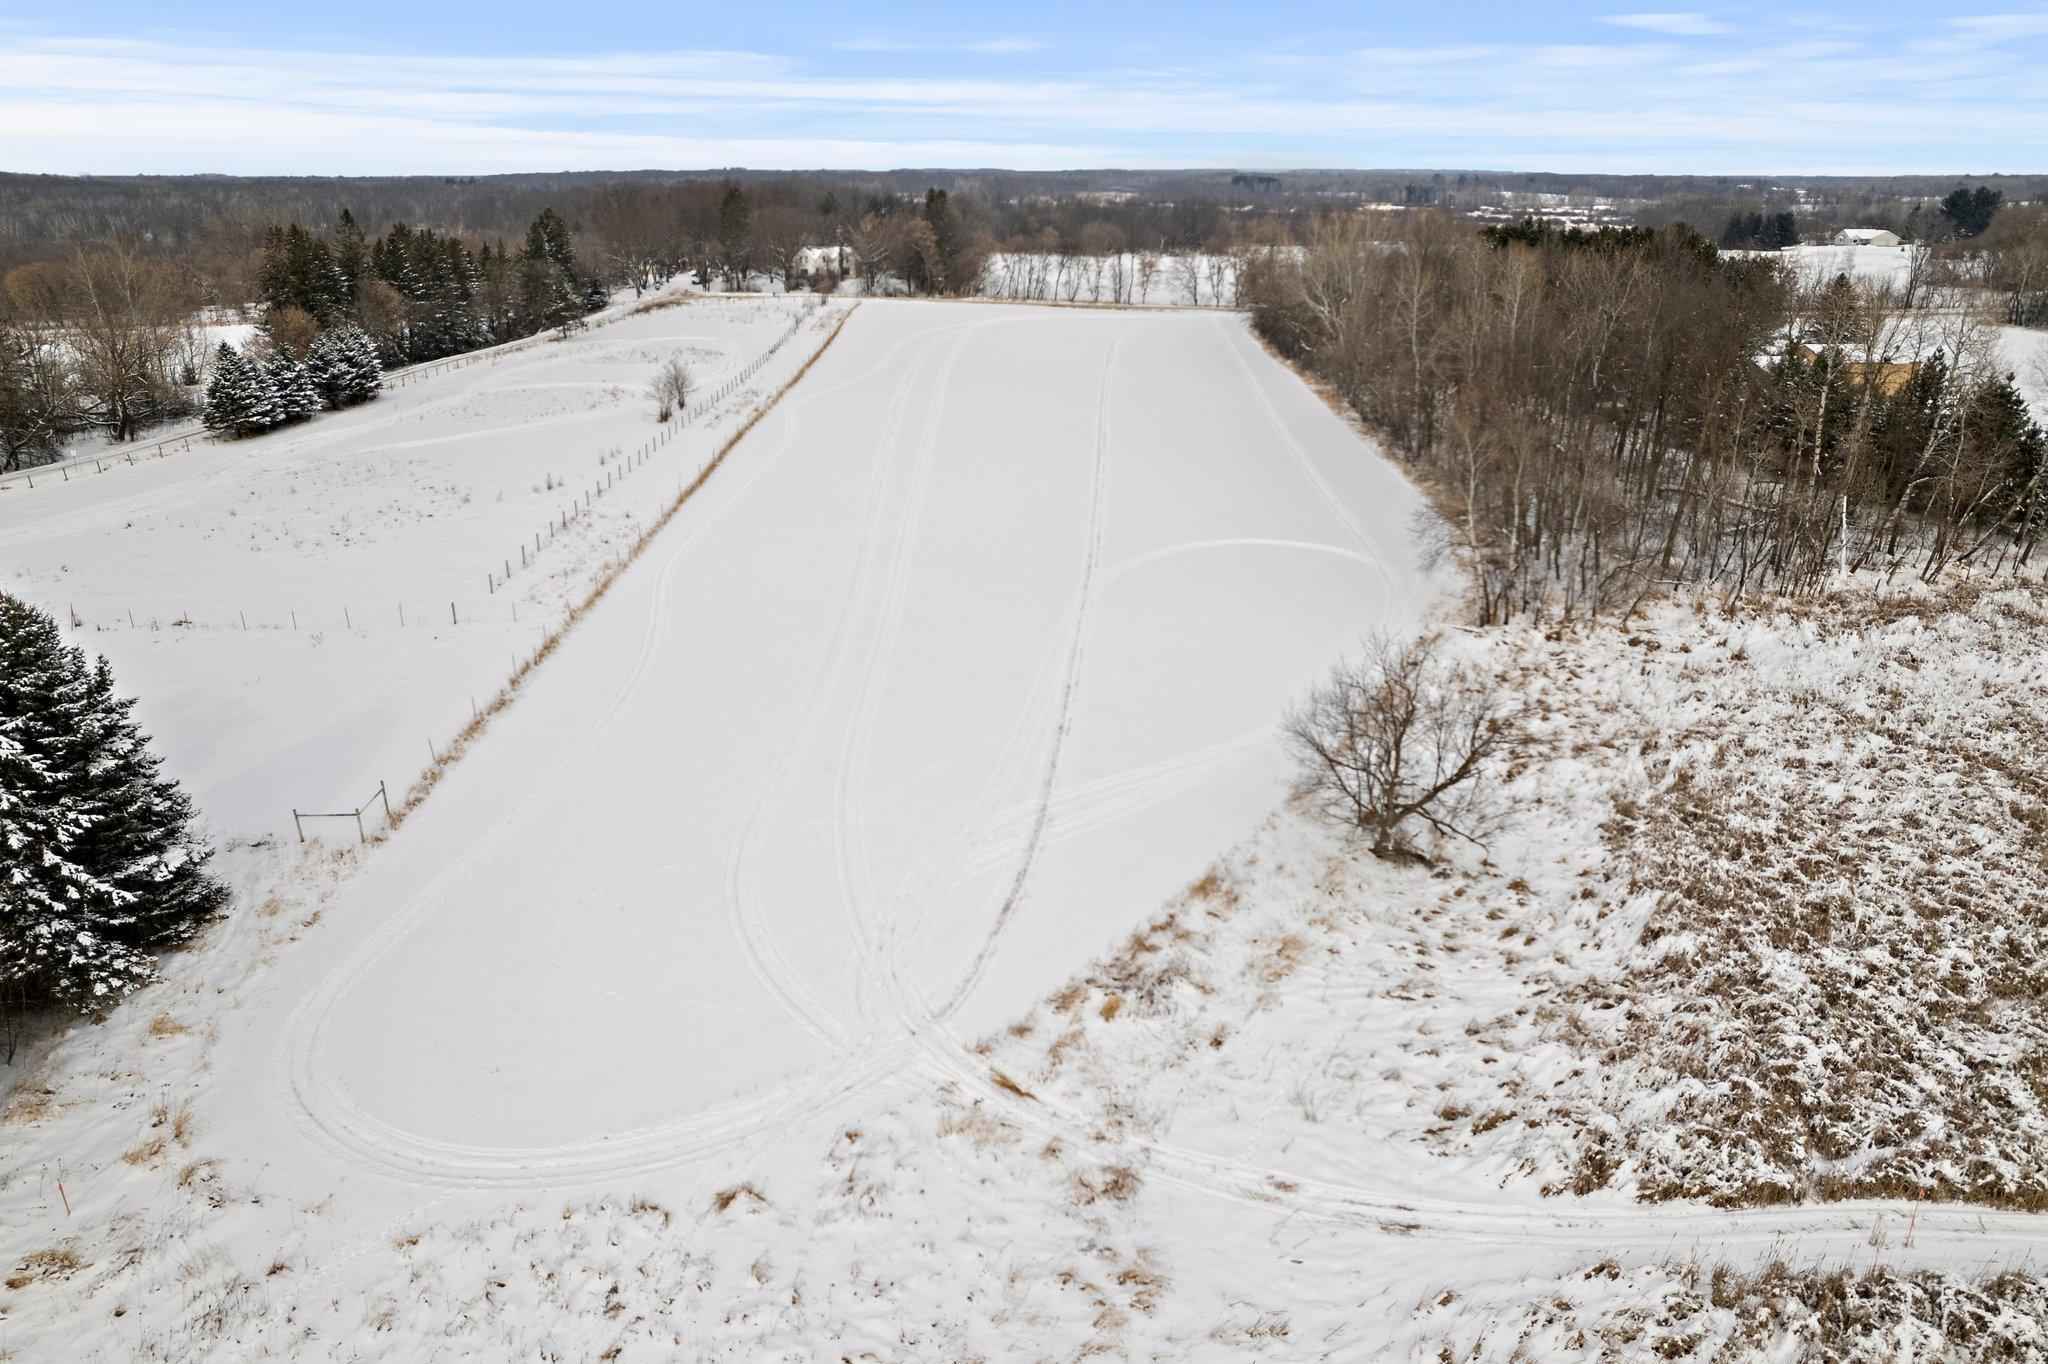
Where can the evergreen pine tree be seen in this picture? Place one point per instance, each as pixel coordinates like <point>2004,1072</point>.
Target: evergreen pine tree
<point>548,239</point>
<point>327,369</point>
<point>240,398</point>
<point>139,838</point>
<point>364,375</point>
<point>734,242</point>
<point>1970,211</point>
<point>2005,430</point>
<point>297,396</point>
<point>68,930</point>
<point>351,261</point>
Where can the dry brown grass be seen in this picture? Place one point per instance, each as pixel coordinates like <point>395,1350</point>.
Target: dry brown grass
<point>162,1026</point>
<point>147,1152</point>
<point>57,1262</point>
<point>30,1105</point>
<point>1009,1086</point>
<point>1826,1316</point>
<point>197,1173</point>
<point>982,1128</point>
<point>1843,983</point>
<point>724,1199</point>
<point>1117,1184</point>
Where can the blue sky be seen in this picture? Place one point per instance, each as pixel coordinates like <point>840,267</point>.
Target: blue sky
<point>463,87</point>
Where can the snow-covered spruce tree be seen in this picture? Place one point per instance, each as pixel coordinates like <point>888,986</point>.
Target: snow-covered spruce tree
<point>364,372</point>
<point>141,840</point>
<point>240,398</point>
<point>343,368</point>
<point>297,397</point>
<point>98,863</point>
<point>55,915</point>
<point>327,368</point>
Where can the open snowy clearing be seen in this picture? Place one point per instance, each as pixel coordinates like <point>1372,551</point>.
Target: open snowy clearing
<point>969,658</point>
<point>832,949</point>
<point>304,613</point>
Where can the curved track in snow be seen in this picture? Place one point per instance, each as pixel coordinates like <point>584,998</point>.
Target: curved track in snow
<point>965,661</point>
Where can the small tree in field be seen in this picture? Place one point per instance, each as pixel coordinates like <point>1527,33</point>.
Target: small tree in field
<point>671,388</point>
<point>1399,736</point>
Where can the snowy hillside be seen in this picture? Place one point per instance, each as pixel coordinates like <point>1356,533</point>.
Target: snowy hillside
<point>973,651</point>
<point>877,927</point>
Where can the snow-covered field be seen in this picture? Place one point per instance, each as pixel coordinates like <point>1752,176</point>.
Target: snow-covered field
<point>1876,264</point>
<point>876,930</point>
<point>968,658</point>
<point>1153,279</point>
<point>305,612</point>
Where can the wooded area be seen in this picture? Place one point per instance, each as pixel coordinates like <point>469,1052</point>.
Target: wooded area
<point>1605,413</point>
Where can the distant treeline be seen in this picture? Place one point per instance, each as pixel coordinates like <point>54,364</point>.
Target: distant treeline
<point>214,226</point>
<point>419,293</point>
<point>1607,412</point>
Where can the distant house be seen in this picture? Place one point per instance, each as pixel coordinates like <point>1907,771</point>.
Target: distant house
<point>1866,236</point>
<point>824,262</point>
<point>1888,370</point>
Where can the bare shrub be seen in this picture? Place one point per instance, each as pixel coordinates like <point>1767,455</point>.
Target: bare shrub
<point>671,388</point>
<point>1398,736</point>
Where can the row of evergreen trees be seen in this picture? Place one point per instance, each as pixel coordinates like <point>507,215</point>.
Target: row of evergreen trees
<point>246,395</point>
<point>99,864</point>
<point>1760,232</point>
<point>1931,419</point>
<point>420,293</point>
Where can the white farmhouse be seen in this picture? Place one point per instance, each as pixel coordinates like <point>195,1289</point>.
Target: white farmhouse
<point>818,262</point>
<point>1866,236</point>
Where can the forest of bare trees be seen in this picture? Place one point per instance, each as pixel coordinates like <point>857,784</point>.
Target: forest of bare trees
<point>1602,414</point>
<point>103,339</point>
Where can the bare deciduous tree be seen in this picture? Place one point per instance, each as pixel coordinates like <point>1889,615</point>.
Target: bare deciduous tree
<point>1402,735</point>
<point>671,388</point>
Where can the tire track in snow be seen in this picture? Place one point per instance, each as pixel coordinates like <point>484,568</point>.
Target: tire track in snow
<point>849,820</point>
<point>749,927</point>
<point>1580,1228</point>
<point>1303,462</point>
<point>1070,687</point>
<point>373,1144</point>
<point>314,1099</point>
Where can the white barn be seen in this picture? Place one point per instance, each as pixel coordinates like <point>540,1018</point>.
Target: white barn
<point>1866,236</point>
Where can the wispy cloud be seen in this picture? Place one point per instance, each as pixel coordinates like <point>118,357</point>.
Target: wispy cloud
<point>1875,101</point>
<point>1686,24</point>
<point>992,47</point>
<point>1974,33</point>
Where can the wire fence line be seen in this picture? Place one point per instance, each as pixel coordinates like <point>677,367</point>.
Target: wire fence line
<point>623,465</point>
<point>551,632</point>
<point>180,442</point>
<point>382,795</point>
<point>60,470</point>
<point>361,617</point>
